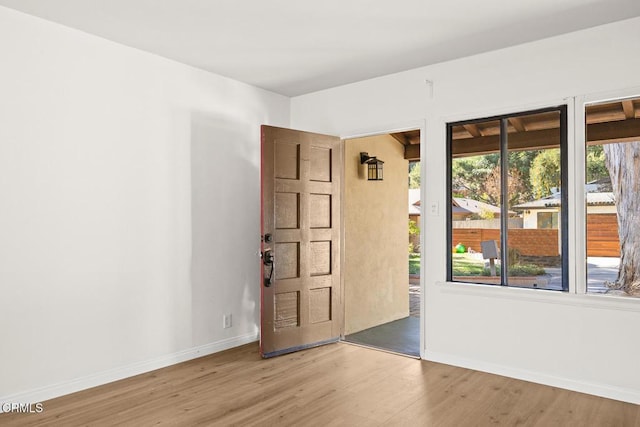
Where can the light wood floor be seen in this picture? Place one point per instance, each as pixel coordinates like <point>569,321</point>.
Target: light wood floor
<point>334,385</point>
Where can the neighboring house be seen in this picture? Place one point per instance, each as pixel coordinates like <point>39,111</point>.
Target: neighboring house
<point>602,221</point>
<point>414,204</point>
<point>462,208</point>
<point>543,213</point>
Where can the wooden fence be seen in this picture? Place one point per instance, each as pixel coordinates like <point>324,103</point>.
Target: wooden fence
<point>602,238</point>
<point>602,235</point>
<point>529,241</point>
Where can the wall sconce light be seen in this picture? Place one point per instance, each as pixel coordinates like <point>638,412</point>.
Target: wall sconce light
<point>374,166</point>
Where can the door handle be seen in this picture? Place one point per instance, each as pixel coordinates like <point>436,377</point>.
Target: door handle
<point>269,260</point>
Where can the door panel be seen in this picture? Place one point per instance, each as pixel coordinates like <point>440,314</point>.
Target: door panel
<point>301,306</point>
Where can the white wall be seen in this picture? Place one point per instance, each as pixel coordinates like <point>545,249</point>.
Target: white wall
<point>129,209</point>
<point>608,209</point>
<point>567,340</point>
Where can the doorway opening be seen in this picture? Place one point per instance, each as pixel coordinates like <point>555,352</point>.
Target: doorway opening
<point>381,264</point>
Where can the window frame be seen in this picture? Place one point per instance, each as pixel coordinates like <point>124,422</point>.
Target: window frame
<point>564,227</point>
<point>579,175</point>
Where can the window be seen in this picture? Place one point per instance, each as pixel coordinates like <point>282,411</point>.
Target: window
<point>612,197</point>
<point>507,183</point>
<point>547,220</point>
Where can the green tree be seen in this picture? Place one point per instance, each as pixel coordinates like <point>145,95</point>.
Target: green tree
<point>478,177</point>
<point>596,167</point>
<point>517,190</point>
<point>521,162</point>
<point>469,176</point>
<point>545,172</point>
<point>414,175</point>
<point>486,214</point>
<point>414,230</point>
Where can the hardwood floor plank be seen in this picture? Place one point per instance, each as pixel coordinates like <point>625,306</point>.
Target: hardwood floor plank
<point>333,385</point>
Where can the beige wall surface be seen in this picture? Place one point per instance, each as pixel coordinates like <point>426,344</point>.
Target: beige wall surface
<point>375,219</point>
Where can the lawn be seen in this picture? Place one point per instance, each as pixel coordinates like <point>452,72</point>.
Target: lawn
<point>466,265</point>
<point>463,265</point>
<point>414,264</point>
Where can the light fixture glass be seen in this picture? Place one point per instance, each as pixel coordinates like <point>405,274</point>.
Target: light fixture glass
<point>375,167</point>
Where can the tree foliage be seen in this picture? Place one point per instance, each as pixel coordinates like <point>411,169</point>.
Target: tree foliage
<point>516,187</point>
<point>413,228</point>
<point>414,175</point>
<point>596,168</point>
<point>545,172</point>
<point>521,161</point>
<point>478,178</point>
<point>469,176</point>
<point>532,174</point>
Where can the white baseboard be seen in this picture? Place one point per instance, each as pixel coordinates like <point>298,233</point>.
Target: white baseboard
<point>78,384</point>
<point>602,390</point>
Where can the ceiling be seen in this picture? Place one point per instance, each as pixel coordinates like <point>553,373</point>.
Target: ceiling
<point>293,47</point>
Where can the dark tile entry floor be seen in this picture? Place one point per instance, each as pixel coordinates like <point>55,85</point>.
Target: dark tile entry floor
<point>400,336</point>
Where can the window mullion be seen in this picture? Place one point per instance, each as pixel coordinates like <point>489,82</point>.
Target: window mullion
<point>563,227</point>
<point>504,196</point>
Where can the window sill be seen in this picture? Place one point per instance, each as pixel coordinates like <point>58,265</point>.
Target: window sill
<point>598,301</point>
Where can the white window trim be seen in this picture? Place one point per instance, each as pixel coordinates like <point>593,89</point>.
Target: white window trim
<point>578,227</point>
<point>598,301</point>
<point>577,294</point>
<point>577,160</point>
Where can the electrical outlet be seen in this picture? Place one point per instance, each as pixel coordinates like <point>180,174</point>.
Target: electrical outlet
<point>226,321</point>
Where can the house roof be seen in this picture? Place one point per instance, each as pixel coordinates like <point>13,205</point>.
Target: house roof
<point>601,185</point>
<point>460,211</point>
<point>414,210</point>
<point>554,201</point>
<point>460,205</point>
<point>474,206</point>
<point>601,199</point>
<point>414,196</point>
<point>414,201</point>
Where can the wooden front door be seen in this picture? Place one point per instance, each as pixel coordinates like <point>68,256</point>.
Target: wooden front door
<point>301,296</point>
